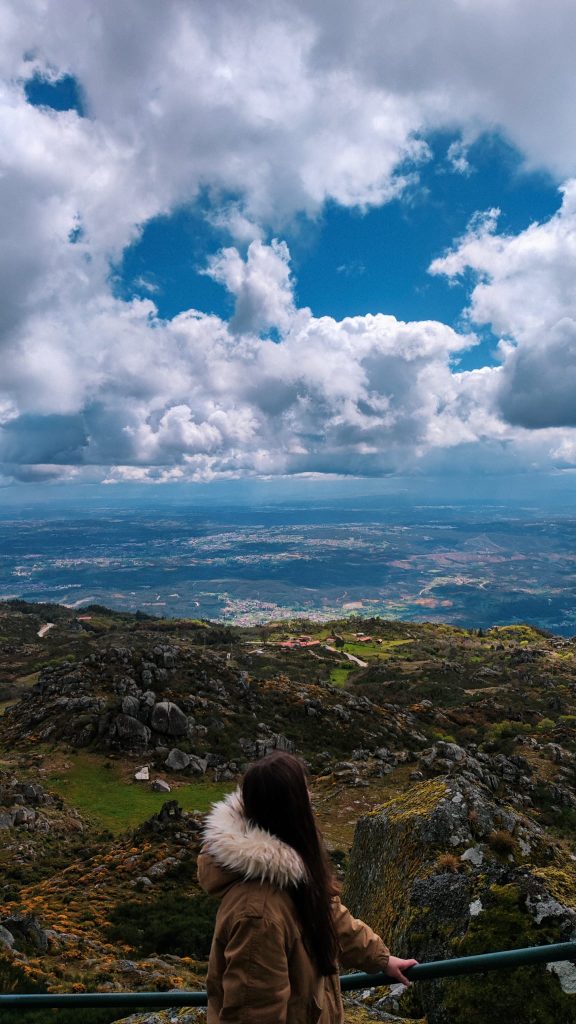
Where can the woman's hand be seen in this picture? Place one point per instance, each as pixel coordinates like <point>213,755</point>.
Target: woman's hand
<point>395,968</point>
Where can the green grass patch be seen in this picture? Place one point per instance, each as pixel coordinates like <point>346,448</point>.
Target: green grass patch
<point>99,792</point>
<point>371,651</point>
<point>25,682</point>
<point>339,676</point>
<point>361,650</point>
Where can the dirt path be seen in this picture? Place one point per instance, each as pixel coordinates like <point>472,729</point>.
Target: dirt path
<point>46,628</point>
<point>351,657</point>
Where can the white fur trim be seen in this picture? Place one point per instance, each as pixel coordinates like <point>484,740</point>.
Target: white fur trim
<point>248,850</point>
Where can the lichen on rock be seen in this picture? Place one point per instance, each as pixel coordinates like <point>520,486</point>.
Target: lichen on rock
<point>388,855</point>
<point>395,884</point>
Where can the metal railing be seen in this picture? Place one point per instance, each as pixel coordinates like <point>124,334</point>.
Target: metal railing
<point>502,960</point>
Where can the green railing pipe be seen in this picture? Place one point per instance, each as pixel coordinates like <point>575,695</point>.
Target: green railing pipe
<point>503,960</point>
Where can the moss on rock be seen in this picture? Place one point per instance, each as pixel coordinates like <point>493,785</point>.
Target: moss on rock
<point>529,994</point>
<point>388,855</point>
<point>560,883</point>
<point>491,904</point>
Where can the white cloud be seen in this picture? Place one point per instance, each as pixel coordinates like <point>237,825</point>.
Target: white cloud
<point>525,282</point>
<point>467,63</point>
<point>525,291</point>
<point>457,157</point>
<point>231,100</point>
<point>261,286</point>
<point>281,107</point>
<point>289,104</point>
<point>357,395</point>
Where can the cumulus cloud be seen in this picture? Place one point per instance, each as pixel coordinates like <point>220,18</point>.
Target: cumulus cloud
<point>261,285</point>
<point>466,63</point>
<point>42,439</point>
<point>271,110</point>
<point>525,290</point>
<point>292,103</point>
<point>228,97</point>
<point>539,380</point>
<point>357,395</point>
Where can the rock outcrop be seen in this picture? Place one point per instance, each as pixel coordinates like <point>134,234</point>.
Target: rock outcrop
<point>26,806</point>
<point>443,871</point>
<point>189,710</point>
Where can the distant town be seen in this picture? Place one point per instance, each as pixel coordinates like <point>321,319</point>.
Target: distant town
<point>445,564</point>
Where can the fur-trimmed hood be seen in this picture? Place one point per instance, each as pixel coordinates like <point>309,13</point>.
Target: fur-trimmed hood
<point>244,849</point>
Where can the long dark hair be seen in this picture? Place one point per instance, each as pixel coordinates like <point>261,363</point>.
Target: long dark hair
<point>276,798</point>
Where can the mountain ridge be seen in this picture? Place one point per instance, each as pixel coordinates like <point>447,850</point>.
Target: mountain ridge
<point>488,716</point>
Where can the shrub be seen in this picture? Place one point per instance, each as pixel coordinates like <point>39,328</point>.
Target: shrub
<point>170,923</point>
<point>15,978</point>
<point>448,862</point>
<point>507,730</point>
<point>444,737</point>
<point>502,842</point>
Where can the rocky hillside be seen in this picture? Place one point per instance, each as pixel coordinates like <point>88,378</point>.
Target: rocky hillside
<point>443,759</point>
<point>192,704</point>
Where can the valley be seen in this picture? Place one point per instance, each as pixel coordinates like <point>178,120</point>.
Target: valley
<point>466,566</point>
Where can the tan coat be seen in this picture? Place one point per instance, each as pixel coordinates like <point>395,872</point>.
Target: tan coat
<point>259,971</point>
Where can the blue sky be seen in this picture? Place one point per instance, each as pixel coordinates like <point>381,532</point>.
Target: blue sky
<point>61,94</point>
<point>349,262</point>
<point>271,245</point>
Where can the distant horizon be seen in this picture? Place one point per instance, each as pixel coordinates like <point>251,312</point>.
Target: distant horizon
<point>475,491</point>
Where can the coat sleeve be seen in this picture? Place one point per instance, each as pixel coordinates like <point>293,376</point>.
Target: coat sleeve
<point>359,946</point>
<point>255,983</point>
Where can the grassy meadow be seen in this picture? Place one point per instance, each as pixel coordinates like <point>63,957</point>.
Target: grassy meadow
<point>105,792</point>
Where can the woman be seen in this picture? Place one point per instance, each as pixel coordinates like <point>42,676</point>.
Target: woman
<point>281,931</point>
